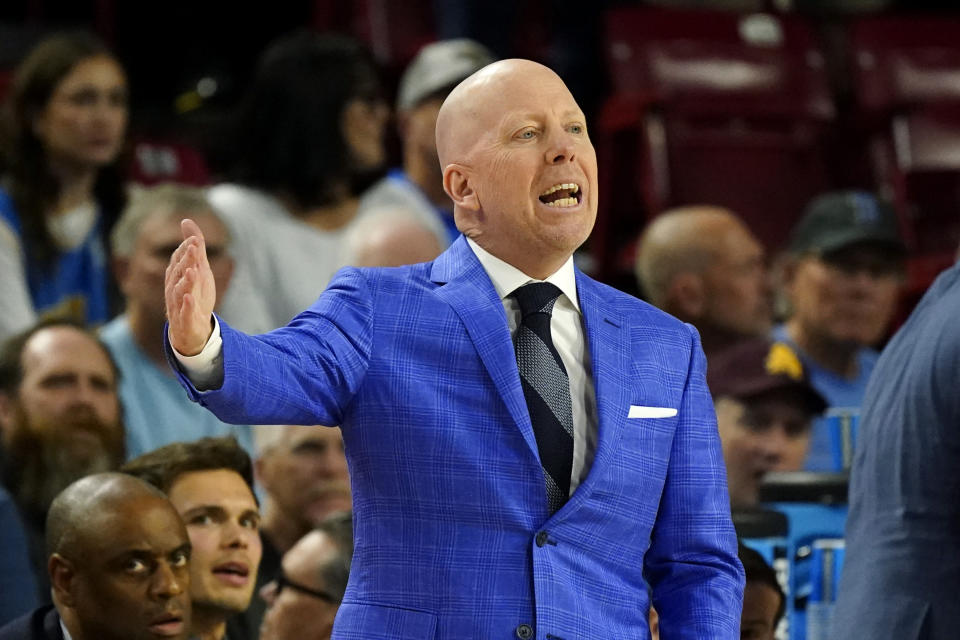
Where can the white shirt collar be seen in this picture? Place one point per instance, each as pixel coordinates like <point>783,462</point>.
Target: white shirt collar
<point>506,277</point>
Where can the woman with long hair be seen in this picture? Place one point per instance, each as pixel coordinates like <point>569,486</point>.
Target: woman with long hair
<point>61,184</point>
<point>310,129</point>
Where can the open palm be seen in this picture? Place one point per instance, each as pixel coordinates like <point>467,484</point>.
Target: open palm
<point>190,292</point>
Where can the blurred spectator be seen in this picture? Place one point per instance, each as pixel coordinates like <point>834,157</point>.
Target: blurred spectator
<point>118,562</point>
<point>61,185</point>
<point>391,236</point>
<point>60,419</point>
<point>156,410</point>
<point>842,280</point>
<point>765,408</point>
<point>764,602</point>
<point>210,483</point>
<point>303,472</point>
<point>903,531</point>
<point>704,266</point>
<point>304,598</point>
<point>18,585</point>
<point>418,186</point>
<point>312,125</point>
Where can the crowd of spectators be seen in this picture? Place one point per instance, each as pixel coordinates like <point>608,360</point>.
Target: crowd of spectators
<point>194,548</point>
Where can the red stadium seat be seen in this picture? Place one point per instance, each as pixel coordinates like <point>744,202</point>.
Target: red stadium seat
<point>906,81</point>
<point>898,61</point>
<point>709,107</point>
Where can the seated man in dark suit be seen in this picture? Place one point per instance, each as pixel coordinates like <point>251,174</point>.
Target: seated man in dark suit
<point>118,565</point>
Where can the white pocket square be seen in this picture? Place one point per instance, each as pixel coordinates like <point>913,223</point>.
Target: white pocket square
<point>639,411</point>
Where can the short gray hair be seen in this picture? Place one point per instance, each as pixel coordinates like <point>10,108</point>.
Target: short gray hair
<point>145,202</point>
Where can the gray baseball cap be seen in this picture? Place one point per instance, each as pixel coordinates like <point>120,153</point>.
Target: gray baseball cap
<point>841,218</point>
<point>440,65</point>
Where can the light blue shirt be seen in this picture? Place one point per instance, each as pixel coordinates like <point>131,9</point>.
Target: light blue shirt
<point>156,409</point>
<point>838,391</point>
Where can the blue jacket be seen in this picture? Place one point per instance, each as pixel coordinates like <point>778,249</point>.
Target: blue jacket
<point>41,624</point>
<point>901,573</point>
<point>452,533</point>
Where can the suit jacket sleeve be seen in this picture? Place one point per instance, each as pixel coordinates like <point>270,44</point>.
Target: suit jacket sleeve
<point>304,373</point>
<point>692,564</point>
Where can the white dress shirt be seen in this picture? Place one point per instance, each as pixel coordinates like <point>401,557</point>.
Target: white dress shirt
<point>205,369</point>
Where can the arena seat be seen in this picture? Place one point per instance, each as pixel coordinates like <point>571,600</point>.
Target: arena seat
<point>710,107</point>
<point>906,81</point>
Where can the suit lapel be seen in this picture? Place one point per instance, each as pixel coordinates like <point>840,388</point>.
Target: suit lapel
<point>608,337</point>
<point>466,287</point>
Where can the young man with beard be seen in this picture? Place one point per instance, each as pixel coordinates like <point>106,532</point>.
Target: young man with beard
<point>60,420</point>
<point>210,483</point>
<point>118,563</point>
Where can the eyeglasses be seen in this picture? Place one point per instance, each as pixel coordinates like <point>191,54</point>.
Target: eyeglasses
<point>283,582</point>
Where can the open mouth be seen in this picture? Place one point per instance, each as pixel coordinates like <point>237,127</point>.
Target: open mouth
<point>167,625</point>
<point>233,573</point>
<point>562,195</point>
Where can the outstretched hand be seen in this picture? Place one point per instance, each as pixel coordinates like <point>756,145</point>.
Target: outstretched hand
<point>190,292</point>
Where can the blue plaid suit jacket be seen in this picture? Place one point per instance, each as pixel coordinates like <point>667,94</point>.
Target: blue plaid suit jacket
<point>417,365</point>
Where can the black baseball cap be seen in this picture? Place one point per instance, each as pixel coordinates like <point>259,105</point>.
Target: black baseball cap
<point>839,219</point>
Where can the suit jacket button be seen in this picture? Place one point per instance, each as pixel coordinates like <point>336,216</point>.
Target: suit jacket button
<point>524,631</point>
<point>542,538</point>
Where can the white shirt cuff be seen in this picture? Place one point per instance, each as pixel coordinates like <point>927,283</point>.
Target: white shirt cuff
<point>204,370</point>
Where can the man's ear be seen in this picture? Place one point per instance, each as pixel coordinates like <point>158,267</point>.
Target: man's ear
<point>62,574</point>
<point>456,182</point>
<point>687,294</point>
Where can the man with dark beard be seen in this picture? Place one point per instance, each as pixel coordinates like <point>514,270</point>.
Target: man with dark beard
<point>60,419</point>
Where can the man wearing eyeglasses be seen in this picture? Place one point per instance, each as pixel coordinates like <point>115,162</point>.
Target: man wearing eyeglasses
<point>303,600</point>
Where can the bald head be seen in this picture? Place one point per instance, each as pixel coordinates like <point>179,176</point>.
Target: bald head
<point>702,264</point>
<point>391,237</point>
<point>79,511</point>
<point>681,240</point>
<point>518,165</point>
<point>119,561</point>
<point>466,110</point>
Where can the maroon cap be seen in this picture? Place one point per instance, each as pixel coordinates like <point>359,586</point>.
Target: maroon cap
<point>757,366</point>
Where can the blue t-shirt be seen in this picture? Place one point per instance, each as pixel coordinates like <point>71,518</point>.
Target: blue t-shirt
<point>75,284</point>
<point>839,392</point>
<point>155,408</point>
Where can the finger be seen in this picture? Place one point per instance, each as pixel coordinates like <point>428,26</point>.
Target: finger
<point>182,250</point>
<point>191,229</point>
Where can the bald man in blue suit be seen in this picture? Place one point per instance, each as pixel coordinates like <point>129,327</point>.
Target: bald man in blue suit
<point>456,536</point>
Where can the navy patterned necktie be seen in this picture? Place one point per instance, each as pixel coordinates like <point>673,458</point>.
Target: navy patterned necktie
<point>546,388</point>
